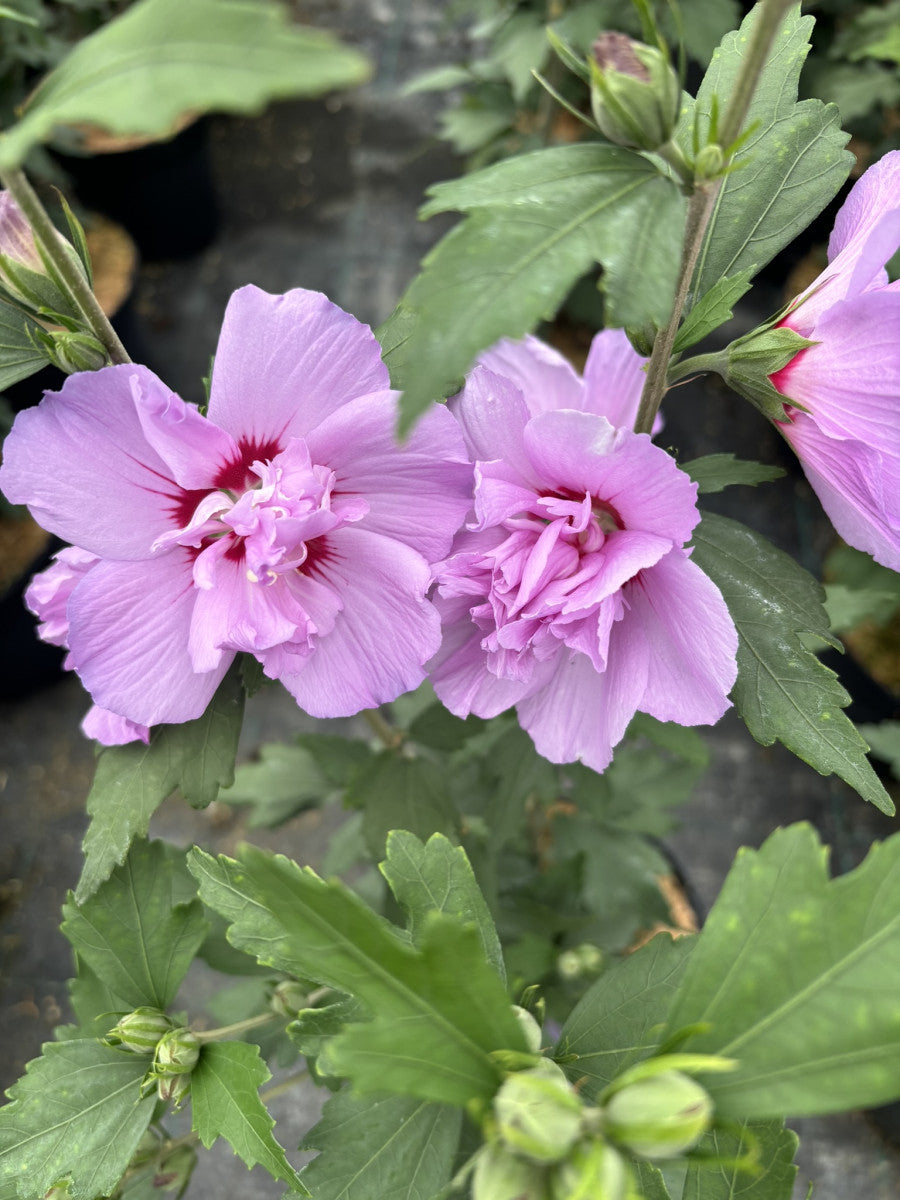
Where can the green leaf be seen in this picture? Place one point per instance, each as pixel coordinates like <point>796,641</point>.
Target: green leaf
<point>715,472</point>
<point>788,169</point>
<point>78,1111</point>
<point>797,977</point>
<point>163,59</point>
<point>132,781</point>
<point>285,780</point>
<point>536,224</point>
<point>849,607</point>
<point>714,309</point>
<point>132,934</point>
<point>616,1023</point>
<point>651,1184</point>
<point>18,356</point>
<point>437,877</point>
<point>314,1026</point>
<point>440,1007</point>
<point>396,792</point>
<point>225,1103</point>
<point>783,691</point>
<point>772,1148</point>
<point>381,1146</point>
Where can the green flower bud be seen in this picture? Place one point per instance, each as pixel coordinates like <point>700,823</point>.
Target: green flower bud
<point>176,1052</point>
<point>139,1031</point>
<point>662,1116</point>
<point>175,1170</point>
<point>579,961</point>
<point>74,352</point>
<point>288,998</point>
<point>538,1113</point>
<point>593,1171</point>
<point>709,162</point>
<point>499,1175</point>
<point>174,1088</point>
<point>24,277</point>
<point>635,94</point>
<point>751,360</point>
<point>530,1028</point>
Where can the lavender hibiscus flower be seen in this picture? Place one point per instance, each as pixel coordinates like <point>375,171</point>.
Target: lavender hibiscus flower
<point>846,430</point>
<point>286,523</point>
<point>571,594</point>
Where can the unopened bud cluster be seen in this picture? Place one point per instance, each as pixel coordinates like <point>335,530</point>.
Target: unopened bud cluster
<point>174,1049</point>
<point>544,1143</point>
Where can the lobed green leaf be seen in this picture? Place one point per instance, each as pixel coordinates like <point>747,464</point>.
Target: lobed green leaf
<point>797,977</point>
<point>783,691</point>
<point>18,356</point>
<point>225,1103</point>
<point>715,472</point>
<point>769,1146</point>
<point>163,60</point>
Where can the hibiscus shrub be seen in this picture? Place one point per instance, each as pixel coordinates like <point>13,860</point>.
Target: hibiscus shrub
<point>522,597</point>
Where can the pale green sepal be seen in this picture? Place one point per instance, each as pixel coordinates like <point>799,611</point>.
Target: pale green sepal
<point>750,362</point>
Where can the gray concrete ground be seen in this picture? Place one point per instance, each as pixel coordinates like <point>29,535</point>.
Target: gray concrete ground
<point>324,196</point>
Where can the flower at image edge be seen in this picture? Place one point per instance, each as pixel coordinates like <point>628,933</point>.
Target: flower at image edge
<point>287,523</point>
<point>571,594</point>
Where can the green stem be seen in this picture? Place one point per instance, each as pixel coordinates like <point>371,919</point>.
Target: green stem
<point>278,1089</point>
<point>70,274</point>
<point>384,730</point>
<point>700,364</point>
<point>226,1031</point>
<point>702,205</point>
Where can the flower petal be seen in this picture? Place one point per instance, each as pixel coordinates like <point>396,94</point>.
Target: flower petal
<point>492,413</point>
<point>850,380</point>
<point>82,463</point>
<point>546,380</point>
<point>195,450</point>
<point>680,617</point>
<point>109,729</point>
<point>583,453</point>
<point>866,233</point>
<point>858,487</point>
<point>284,363</point>
<point>385,632</point>
<point>128,631</point>
<point>581,714</point>
<point>419,491</point>
<point>614,378</point>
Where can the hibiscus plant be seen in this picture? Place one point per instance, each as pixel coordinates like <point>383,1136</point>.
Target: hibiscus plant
<point>445,527</point>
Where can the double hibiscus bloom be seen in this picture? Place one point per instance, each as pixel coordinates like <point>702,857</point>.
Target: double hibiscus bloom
<point>524,547</point>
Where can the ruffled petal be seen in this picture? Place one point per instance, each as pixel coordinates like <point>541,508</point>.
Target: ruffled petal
<point>866,233</point>
<point>48,593</point>
<point>284,363</point>
<point>492,413</point>
<point>639,481</point>
<point>129,625</point>
<point>384,634</point>
<point>858,487</point>
<point>417,492</point>
<point>459,672</point>
<point>82,463</point>
<point>546,380</point>
<point>614,378</point>
<point>581,714</point>
<point>679,615</point>
<point>850,380</point>
<point>196,452</point>
<point>109,729</point>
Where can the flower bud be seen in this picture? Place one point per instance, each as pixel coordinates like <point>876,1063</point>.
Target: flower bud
<point>635,94</point>
<point>74,352</point>
<point>661,1116</point>
<point>593,1171</point>
<point>710,162</point>
<point>139,1031</point>
<point>16,239</point>
<point>288,998</point>
<point>23,274</point>
<point>752,359</point>
<point>499,1175</point>
<point>538,1113</point>
<point>174,1171</point>
<point>530,1028</point>
<point>174,1088</point>
<point>176,1052</point>
<point>579,961</point>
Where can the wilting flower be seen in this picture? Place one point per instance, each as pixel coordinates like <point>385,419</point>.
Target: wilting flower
<point>843,392</point>
<point>287,523</point>
<point>571,594</point>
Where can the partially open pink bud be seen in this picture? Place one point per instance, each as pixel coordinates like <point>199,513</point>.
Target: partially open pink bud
<point>16,239</point>
<point>635,94</point>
